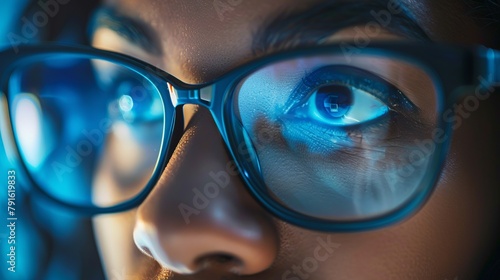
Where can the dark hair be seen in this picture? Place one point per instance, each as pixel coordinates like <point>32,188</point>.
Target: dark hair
<point>486,13</point>
<point>66,20</point>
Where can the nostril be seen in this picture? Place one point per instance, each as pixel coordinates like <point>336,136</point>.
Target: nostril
<point>223,258</point>
<point>220,261</point>
<point>217,258</point>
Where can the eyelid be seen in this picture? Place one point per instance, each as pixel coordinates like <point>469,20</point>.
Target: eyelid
<point>358,78</point>
<point>107,39</point>
<point>413,81</point>
<point>130,29</point>
<point>319,22</point>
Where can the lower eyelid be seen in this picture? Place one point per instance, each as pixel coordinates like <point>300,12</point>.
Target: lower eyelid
<point>348,131</point>
<point>315,142</point>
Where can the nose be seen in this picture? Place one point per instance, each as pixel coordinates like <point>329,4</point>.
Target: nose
<point>199,216</point>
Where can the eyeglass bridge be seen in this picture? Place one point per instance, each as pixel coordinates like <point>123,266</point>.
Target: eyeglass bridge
<point>199,96</point>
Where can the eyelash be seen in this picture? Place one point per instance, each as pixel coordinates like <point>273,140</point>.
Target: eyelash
<point>399,105</point>
<point>354,77</point>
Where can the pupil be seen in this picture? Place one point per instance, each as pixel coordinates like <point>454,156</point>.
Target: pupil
<point>334,99</point>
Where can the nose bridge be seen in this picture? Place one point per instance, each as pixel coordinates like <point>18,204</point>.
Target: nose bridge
<point>200,210</point>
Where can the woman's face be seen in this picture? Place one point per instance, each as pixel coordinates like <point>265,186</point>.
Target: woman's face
<point>233,237</point>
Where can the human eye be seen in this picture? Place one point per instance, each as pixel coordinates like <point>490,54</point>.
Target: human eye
<point>104,115</point>
<point>339,104</point>
<point>135,113</point>
<point>322,131</point>
<point>133,98</point>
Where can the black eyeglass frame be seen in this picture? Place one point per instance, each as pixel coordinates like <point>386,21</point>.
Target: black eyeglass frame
<point>455,67</point>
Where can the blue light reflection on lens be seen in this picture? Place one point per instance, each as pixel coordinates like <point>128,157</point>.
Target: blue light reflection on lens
<point>30,127</point>
<point>137,101</point>
<point>330,123</point>
<point>126,103</point>
<point>56,106</point>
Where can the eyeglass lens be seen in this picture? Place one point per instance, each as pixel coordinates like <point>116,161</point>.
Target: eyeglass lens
<point>329,136</point>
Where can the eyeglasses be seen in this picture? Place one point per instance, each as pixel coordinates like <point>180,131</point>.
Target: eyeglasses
<point>327,138</point>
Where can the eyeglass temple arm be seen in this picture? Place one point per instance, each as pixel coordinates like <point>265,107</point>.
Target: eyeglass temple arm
<point>492,75</point>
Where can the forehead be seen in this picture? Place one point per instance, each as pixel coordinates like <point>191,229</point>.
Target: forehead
<point>206,37</point>
<point>193,34</point>
<point>230,14</point>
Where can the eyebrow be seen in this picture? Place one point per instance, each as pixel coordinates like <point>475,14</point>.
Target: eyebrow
<point>134,31</point>
<point>308,27</point>
<point>313,26</point>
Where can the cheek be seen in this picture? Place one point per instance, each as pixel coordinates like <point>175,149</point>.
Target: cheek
<point>114,237</point>
<point>451,236</point>
<point>125,165</point>
<point>381,254</point>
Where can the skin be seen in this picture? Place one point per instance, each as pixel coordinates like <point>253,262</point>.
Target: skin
<point>449,237</point>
